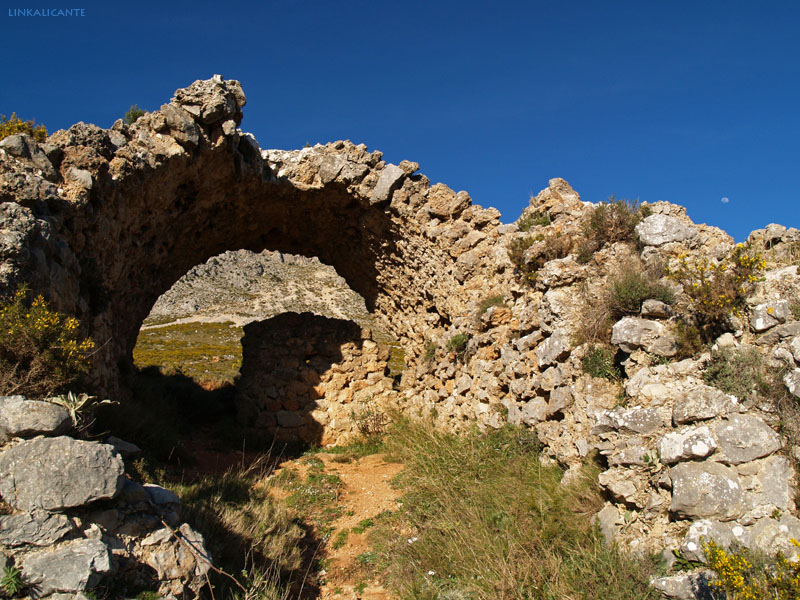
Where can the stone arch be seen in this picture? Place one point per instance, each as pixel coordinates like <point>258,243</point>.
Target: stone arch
<point>104,221</point>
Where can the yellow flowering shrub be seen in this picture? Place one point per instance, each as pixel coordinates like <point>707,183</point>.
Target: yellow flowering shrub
<point>41,351</point>
<point>742,579</point>
<point>717,289</point>
<point>12,125</point>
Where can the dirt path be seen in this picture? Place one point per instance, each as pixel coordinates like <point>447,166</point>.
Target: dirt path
<point>365,494</point>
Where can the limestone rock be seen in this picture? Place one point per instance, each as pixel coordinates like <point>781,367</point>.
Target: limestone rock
<point>686,586</point>
<point>770,484</point>
<point>177,562</point>
<point>702,402</point>
<point>687,444</point>
<point>794,347</point>
<point>160,495</point>
<point>58,473</point>
<point>792,381</point>
<point>743,438</point>
<point>771,536</point>
<point>212,100</point>
<point>632,333</point>
<point>631,420</point>
<point>390,179</point>
<point>769,315</point>
<point>607,520</point>
<point>655,309</point>
<point>73,567</point>
<point>27,418</point>
<point>37,529</point>
<point>706,490</point>
<point>706,530</point>
<point>553,349</point>
<point>657,230</point>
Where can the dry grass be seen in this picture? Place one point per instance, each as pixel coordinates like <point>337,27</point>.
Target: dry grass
<point>483,518</point>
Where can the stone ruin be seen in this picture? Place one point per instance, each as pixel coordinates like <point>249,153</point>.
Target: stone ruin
<point>102,222</point>
<point>310,378</point>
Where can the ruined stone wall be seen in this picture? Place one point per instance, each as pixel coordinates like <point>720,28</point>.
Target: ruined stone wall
<point>312,379</point>
<point>104,221</point>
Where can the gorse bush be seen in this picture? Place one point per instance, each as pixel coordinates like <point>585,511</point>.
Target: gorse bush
<point>745,577</point>
<point>41,351</point>
<point>13,125</point>
<point>716,290</point>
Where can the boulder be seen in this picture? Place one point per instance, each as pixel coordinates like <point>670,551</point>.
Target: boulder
<point>632,333</point>
<point>743,438</point>
<point>706,490</point>
<point>73,567</point>
<point>58,473</point>
<point>657,230</point>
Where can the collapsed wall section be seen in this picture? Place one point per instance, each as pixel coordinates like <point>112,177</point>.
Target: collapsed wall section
<point>311,379</point>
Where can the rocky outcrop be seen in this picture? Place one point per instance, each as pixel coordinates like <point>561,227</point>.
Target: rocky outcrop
<point>72,521</point>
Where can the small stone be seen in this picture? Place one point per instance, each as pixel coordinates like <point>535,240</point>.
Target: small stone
<point>687,444</point>
<point>655,309</point>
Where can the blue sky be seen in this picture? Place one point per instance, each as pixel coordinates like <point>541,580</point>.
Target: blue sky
<point>689,102</point>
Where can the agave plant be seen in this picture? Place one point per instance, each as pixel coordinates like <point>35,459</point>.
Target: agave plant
<point>80,407</point>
